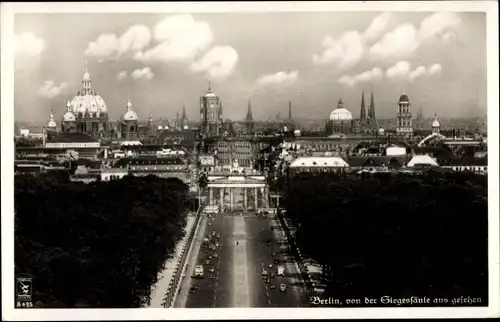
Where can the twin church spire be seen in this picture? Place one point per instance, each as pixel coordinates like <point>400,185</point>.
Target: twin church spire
<point>371,109</point>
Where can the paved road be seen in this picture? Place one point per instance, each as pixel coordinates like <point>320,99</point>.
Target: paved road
<point>236,280</point>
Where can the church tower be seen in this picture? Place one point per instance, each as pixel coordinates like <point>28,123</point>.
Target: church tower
<point>151,125</point>
<point>211,114</point>
<point>371,113</point>
<point>184,119</point>
<point>249,119</point>
<point>362,113</point>
<point>404,124</point>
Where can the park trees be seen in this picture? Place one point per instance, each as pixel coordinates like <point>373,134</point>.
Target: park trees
<point>96,245</point>
<point>394,235</point>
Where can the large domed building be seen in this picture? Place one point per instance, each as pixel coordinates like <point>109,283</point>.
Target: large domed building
<point>86,111</point>
<point>340,121</point>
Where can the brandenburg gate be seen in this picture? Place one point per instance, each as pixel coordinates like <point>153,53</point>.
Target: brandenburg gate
<point>238,191</point>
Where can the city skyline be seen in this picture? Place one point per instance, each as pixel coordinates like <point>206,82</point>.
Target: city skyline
<point>163,62</point>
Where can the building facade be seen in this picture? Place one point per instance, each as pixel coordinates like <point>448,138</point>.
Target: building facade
<point>129,123</point>
<point>211,114</point>
<point>236,151</point>
<point>404,123</point>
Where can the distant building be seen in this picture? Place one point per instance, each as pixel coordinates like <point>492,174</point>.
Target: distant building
<point>249,123</point>
<point>243,151</point>
<point>318,164</point>
<point>404,127</point>
<point>211,115</point>
<point>129,123</point>
<point>86,111</point>
<point>436,126</point>
<point>51,125</point>
<point>340,120</point>
<point>366,123</point>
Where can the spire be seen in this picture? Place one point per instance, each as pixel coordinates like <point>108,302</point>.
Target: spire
<point>184,112</point>
<point>340,104</point>
<point>220,110</point>
<point>86,82</point>
<point>362,113</point>
<point>209,87</point>
<point>249,112</point>
<point>129,105</point>
<point>51,117</point>
<point>289,110</point>
<point>372,107</point>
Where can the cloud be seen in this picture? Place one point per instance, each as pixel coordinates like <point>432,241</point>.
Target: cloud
<point>109,45</point>
<point>27,44</point>
<point>401,41</point>
<point>179,38</point>
<point>218,62</point>
<point>348,50</point>
<point>145,74</point>
<point>434,69</point>
<point>121,75</point>
<point>419,71</point>
<point>135,38</point>
<point>437,24</point>
<point>367,76</point>
<point>280,78</point>
<point>448,36</point>
<point>377,26</point>
<point>406,38</point>
<point>104,46</point>
<point>50,90</point>
<point>401,69</point>
<point>344,52</point>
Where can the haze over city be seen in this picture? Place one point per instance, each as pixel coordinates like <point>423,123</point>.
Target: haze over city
<point>164,61</point>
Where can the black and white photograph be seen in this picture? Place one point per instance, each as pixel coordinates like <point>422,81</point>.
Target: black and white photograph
<point>270,159</point>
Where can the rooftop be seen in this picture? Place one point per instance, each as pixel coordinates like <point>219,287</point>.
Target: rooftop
<point>54,137</point>
<point>318,162</point>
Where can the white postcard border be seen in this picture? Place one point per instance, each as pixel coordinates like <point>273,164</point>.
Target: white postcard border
<point>7,147</point>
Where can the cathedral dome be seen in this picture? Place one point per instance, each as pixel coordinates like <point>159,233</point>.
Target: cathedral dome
<point>69,116</point>
<point>90,102</point>
<point>186,127</point>
<point>87,100</point>
<point>404,98</point>
<point>129,114</point>
<point>160,128</point>
<point>340,114</point>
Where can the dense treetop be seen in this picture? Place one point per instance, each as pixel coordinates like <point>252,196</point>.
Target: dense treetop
<point>394,235</point>
<point>96,245</point>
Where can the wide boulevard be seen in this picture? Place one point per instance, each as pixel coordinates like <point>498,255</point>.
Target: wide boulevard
<point>244,245</point>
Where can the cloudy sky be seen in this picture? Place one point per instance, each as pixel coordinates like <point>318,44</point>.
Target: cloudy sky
<point>162,62</point>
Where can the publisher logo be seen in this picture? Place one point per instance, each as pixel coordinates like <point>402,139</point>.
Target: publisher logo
<point>24,291</point>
